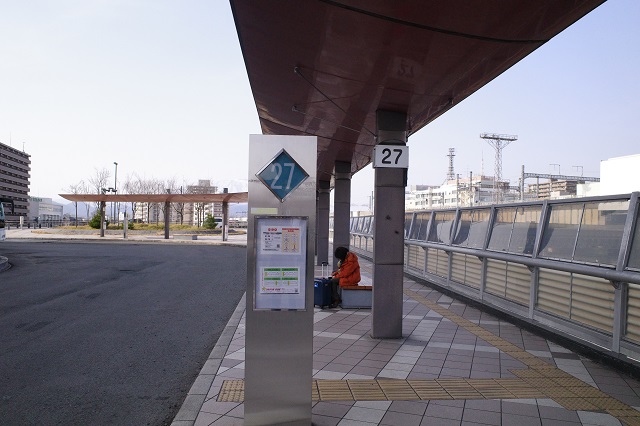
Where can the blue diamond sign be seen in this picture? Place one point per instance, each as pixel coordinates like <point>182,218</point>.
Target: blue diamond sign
<point>282,175</point>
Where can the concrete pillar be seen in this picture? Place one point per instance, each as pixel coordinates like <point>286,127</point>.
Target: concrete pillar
<point>322,237</point>
<point>341,207</point>
<point>103,205</point>
<point>388,233</point>
<point>225,220</point>
<point>167,216</point>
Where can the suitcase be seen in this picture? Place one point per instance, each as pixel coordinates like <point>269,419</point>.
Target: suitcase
<point>322,289</point>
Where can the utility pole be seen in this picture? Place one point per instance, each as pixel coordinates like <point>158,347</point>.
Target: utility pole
<point>498,143</point>
<point>451,174</point>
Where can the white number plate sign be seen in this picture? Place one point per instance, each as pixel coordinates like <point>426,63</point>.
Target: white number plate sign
<point>394,156</point>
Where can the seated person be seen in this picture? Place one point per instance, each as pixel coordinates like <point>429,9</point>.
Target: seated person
<point>348,273</point>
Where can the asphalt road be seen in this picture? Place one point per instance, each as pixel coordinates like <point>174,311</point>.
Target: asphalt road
<point>109,333</point>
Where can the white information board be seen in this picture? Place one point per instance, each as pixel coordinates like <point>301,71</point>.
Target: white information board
<point>391,156</point>
<point>280,262</point>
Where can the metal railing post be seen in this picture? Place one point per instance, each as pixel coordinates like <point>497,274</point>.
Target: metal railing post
<point>622,289</point>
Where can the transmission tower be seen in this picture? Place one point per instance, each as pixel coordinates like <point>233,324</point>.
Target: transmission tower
<point>451,174</point>
<point>498,142</point>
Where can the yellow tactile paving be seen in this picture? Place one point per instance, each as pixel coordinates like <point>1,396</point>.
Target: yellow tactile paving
<point>630,421</point>
<point>540,380</point>
<point>368,390</point>
<point>626,416</point>
<point>231,391</point>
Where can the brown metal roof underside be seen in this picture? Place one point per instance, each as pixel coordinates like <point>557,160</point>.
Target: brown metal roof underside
<point>235,197</point>
<point>323,67</point>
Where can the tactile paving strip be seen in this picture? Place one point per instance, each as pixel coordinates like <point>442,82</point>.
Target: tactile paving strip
<point>541,380</point>
<point>403,390</point>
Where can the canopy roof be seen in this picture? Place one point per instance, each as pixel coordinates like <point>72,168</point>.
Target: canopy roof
<point>323,67</point>
<point>235,197</point>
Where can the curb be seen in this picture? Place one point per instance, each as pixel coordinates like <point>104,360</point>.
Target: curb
<point>198,393</point>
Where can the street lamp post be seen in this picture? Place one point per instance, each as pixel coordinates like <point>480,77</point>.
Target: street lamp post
<point>115,191</point>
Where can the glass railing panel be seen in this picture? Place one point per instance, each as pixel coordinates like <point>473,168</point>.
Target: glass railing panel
<point>408,218</point>
<point>472,228</point>
<point>601,231</point>
<point>501,231</point>
<point>634,256</point>
<point>367,224</point>
<point>419,230</point>
<point>559,237</point>
<point>441,228</point>
<point>523,235</point>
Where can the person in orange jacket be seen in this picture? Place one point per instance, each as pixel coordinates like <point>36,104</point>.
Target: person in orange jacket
<point>348,273</point>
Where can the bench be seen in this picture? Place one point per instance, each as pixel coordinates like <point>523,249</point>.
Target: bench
<point>185,237</point>
<point>357,296</point>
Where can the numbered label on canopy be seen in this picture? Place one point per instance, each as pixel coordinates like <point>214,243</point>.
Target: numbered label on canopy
<point>393,156</point>
<point>282,175</point>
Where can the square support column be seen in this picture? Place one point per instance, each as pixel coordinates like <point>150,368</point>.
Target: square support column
<point>167,219</point>
<point>322,238</point>
<point>225,221</point>
<point>341,207</point>
<point>388,233</point>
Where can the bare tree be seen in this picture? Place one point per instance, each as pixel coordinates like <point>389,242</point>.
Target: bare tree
<point>198,208</point>
<point>99,181</point>
<point>157,187</point>
<point>179,207</point>
<point>167,187</point>
<point>85,189</point>
<point>76,189</point>
<point>144,187</point>
<point>132,186</point>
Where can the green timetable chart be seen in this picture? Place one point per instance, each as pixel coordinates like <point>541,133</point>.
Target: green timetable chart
<point>280,280</point>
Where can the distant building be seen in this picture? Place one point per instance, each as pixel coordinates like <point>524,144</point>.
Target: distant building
<point>554,189</point>
<point>618,175</point>
<point>192,213</point>
<point>462,192</point>
<point>15,168</point>
<point>195,213</point>
<point>44,210</point>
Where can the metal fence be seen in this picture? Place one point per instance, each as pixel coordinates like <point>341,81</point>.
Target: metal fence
<point>32,224</point>
<point>570,266</point>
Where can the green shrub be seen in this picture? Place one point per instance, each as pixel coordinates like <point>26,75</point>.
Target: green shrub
<point>209,222</point>
<point>95,221</point>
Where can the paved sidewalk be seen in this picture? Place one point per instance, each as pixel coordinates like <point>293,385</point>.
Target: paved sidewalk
<point>176,237</point>
<point>456,365</point>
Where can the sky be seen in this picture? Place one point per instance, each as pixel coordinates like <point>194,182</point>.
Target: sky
<point>160,87</point>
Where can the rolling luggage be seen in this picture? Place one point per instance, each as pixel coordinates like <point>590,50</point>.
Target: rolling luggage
<point>322,289</point>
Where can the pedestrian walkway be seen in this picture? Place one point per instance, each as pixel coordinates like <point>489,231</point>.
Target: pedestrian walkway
<point>112,235</point>
<point>455,365</point>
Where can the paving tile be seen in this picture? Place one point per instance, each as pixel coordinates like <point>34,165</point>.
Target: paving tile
<point>427,421</point>
<point>409,407</point>
<point>481,404</point>
<point>330,409</point>
<point>599,419</point>
<point>518,408</point>
<point>553,422</point>
<point>348,422</point>
<point>319,420</point>
<point>393,418</point>
<point>369,415</point>
<point>482,417</point>
<point>444,412</point>
<point>515,419</point>
<point>561,414</point>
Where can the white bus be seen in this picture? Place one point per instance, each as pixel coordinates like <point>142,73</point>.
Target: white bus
<point>2,216</point>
